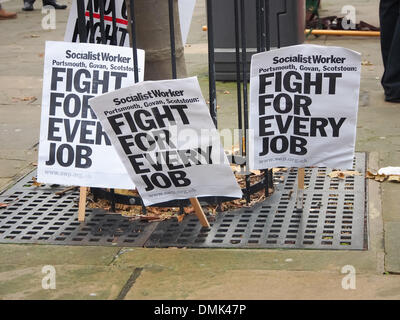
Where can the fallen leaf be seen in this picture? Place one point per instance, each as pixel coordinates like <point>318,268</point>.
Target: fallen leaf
<point>3,205</point>
<point>370,175</point>
<point>180,217</point>
<point>380,177</point>
<point>29,98</point>
<point>343,174</point>
<point>394,178</point>
<point>226,92</point>
<point>275,170</point>
<point>376,176</point>
<point>188,210</point>
<point>36,183</point>
<point>133,192</point>
<point>366,63</point>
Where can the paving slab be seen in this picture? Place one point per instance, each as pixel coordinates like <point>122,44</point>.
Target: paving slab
<point>36,255</point>
<point>210,260</point>
<point>392,247</point>
<point>72,282</point>
<point>259,284</point>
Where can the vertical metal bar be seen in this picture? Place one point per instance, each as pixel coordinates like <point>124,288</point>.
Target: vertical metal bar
<point>258,25</point>
<point>271,178</point>
<point>80,6</point>
<point>112,200</point>
<point>133,41</point>
<point>238,86</point>
<point>172,36</point>
<point>262,25</point>
<point>144,209</point>
<point>94,192</point>
<point>266,24</point>
<point>266,182</point>
<point>181,208</point>
<point>102,28</point>
<point>278,29</point>
<point>245,104</point>
<point>91,22</point>
<point>211,64</point>
<point>114,40</point>
<point>244,67</point>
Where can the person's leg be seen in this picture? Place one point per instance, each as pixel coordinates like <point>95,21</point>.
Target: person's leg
<point>54,4</point>
<point>28,5</point>
<point>390,44</point>
<point>387,17</point>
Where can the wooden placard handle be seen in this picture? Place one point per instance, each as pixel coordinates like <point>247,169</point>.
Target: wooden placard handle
<point>199,212</point>
<point>82,204</point>
<point>300,187</point>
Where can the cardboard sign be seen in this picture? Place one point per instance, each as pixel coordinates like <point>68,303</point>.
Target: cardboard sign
<point>185,7</point>
<point>73,148</point>
<point>303,107</point>
<point>165,136</point>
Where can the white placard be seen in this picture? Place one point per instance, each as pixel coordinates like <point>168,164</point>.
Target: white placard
<point>303,107</point>
<point>165,136</point>
<point>73,148</point>
<point>185,8</point>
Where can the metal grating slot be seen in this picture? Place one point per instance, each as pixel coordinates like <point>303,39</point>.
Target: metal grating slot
<point>333,217</point>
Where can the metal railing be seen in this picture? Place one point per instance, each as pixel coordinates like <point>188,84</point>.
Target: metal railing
<point>86,26</point>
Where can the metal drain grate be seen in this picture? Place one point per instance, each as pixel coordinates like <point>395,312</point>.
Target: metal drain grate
<point>37,215</point>
<point>334,217</point>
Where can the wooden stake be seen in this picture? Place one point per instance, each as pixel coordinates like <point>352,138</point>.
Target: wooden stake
<point>199,212</point>
<point>82,204</point>
<point>300,188</point>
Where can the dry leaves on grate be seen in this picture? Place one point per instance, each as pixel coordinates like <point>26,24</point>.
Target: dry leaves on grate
<point>3,205</point>
<point>160,213</point>
<point>35,183</point>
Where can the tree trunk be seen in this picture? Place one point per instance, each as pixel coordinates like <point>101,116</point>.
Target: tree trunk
<point>152,35</point>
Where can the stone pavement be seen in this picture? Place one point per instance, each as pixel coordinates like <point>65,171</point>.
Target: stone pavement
<point>111,272</point>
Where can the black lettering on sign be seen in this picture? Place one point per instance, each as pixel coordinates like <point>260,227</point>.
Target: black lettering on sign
<point>164,181</point>
<point>285,115</point>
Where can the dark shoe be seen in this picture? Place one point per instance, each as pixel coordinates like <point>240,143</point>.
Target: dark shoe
<point>4,15</point>
<point>393,100</point>
<point>54,4</point>
<point>27,6</point>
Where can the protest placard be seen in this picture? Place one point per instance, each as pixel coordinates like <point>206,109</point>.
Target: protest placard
<point>303,107</point>
<point>165,136</point>
<point>73,148</point>
<point>186,8</point>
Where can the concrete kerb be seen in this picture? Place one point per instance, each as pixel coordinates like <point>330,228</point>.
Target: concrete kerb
<point>375,219</point>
